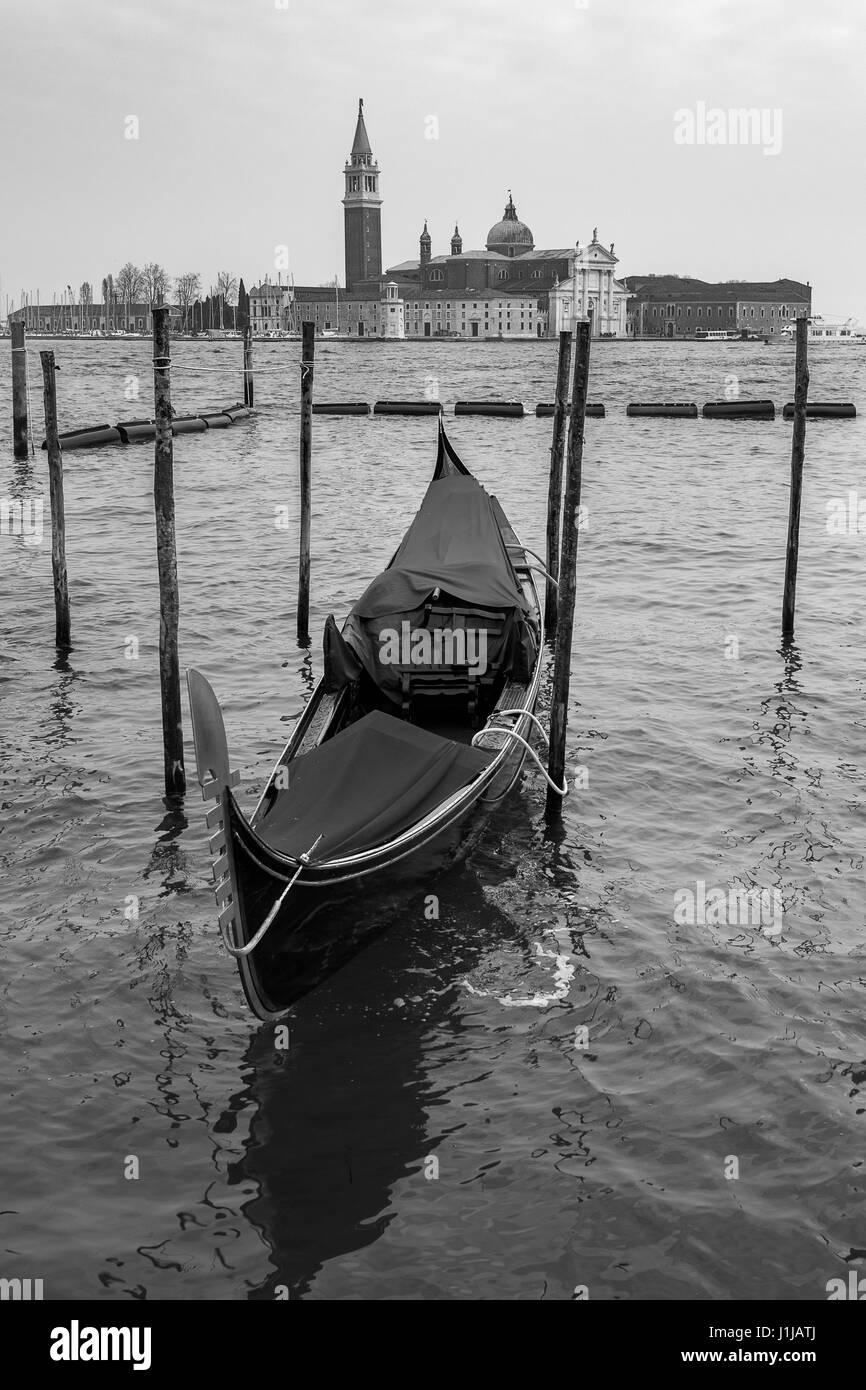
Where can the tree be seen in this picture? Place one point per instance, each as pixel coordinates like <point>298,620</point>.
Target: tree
<point>187,289</point>
<point>129,286</point>
<point>108,300</point>
<point>242,317</point>
<point>227,288</point>
<point>156,282</point>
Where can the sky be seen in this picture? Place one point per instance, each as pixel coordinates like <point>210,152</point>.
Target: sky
<point>246,109</point>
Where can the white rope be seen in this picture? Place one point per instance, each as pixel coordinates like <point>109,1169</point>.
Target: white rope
<point>540,566</point>
<point>512,733</point>
<point>237,951</point>
<point>522,714</point>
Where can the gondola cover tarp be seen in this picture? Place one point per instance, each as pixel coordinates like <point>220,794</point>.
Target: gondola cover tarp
<point>454,544</point>
<point>366,786</point>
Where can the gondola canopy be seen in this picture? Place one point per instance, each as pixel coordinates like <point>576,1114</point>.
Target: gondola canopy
<point>454,544</point>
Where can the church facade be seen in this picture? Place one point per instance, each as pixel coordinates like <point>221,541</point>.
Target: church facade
<point>508,289</point>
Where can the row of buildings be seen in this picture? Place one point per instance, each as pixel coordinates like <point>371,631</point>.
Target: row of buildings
<point>508,289</point>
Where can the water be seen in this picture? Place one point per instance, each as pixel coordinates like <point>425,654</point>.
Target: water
<point>435,1128</point>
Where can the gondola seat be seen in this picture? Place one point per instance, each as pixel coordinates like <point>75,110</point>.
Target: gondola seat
<point>456,679</point>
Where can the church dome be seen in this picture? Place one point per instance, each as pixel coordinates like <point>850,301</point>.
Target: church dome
<point>510,237</point>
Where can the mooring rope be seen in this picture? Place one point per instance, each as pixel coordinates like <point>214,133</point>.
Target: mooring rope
<point>238,951</point>
<point>512,733</point>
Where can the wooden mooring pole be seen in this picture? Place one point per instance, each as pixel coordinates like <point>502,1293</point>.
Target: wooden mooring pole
<point>554,494</point>
<point>58,511</point>
<point>19,390</point>
<point>249,390</point>
<point>798,453</point>
<point>166,556</point>
<point>308,348</point>
<point>567,573</point>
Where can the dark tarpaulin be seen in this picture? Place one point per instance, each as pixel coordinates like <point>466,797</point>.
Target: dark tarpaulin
<point>454,543</point>
<point>365,786</point>
<point>341,664</point>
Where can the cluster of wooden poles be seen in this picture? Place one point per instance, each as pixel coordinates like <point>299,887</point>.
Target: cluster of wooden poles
<point>563,511</point>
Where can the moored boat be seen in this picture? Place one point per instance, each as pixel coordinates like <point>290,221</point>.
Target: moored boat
<point>420,723</point>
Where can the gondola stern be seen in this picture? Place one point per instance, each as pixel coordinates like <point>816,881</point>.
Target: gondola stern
<point>216,780</point>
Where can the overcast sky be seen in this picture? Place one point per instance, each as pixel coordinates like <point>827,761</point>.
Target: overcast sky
<point>246,115</point>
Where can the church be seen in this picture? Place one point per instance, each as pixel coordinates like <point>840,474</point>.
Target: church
<point>508,289</point>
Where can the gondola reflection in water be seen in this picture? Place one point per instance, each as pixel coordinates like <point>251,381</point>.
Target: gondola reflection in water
<point>421,721</point>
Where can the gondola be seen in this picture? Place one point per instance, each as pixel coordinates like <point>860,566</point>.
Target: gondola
<point>421,722</point>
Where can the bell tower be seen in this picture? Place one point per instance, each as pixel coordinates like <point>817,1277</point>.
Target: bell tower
<point>362,210</point>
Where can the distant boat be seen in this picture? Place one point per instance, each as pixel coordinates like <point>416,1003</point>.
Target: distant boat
<point>842,332</point>
<point>728,335</point>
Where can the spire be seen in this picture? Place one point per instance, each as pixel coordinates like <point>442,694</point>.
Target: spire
<point>362,142</point>
<point>456,242</point>
<point>425,235</point>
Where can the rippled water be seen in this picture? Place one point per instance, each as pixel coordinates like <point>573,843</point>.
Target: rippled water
<point>436,1128</point>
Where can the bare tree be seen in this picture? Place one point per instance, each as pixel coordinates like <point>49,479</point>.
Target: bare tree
<point>130,285</point>
<point>187,289</point>
<point>156,282</point>
<point>227,288</point>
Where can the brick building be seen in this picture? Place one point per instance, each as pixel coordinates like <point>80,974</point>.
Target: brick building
<point>675,306</point>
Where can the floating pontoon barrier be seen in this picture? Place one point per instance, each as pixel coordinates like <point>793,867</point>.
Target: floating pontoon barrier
<point>139,431</point>
<point>667,410</point>
<point>594,410</point>
<point>739,410</point>
<point>218,420</point>
<point>87,438</point>
<point>822,410</point>
<point>136,431</point>
<point>341,408</point>
<point>504,408</point>
<point>188,424</point>
<point>407,408</point>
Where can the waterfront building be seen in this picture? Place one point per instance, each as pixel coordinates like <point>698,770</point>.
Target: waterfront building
<point>502,290</point>
<point>270,308</point>
<point>676,306</point>
<point>95,317</point>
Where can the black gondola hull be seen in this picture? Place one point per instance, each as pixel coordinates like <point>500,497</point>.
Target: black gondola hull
<point>329,915</point>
